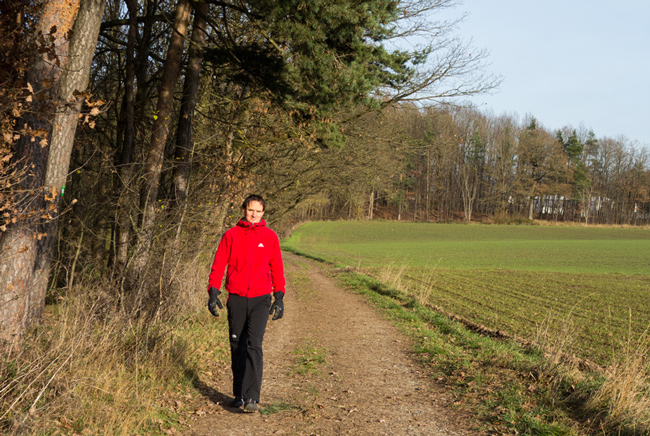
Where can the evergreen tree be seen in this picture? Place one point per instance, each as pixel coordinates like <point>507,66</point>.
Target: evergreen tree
<point>573,148</point>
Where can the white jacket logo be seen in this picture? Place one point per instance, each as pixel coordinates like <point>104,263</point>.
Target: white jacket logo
<point>261,245</point>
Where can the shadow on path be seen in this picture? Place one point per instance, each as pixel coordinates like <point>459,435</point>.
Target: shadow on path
<point>211,393</point>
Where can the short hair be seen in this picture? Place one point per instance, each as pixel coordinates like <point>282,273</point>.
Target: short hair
<point>252,198</point>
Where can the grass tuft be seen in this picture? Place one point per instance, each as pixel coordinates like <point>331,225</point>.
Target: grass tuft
<point>310,358</point>
<point>623,399</point>
<point>277,407</point>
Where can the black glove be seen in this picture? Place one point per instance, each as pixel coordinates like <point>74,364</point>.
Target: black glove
<point>214,301</point>
<point>277,308</point>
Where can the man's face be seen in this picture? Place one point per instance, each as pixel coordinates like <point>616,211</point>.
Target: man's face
<point>254,212</point>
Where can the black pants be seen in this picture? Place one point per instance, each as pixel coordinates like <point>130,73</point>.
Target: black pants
<point>247,318</point>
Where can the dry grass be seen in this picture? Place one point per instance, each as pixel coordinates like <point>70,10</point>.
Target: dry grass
<point>420,286</point>
<point>623,400</point>
<point>93,367</point>
<point>423,285</point>
<point>555,338</point>
<point>582,224</point>
<point>86,370</point>
<point>392,275</point>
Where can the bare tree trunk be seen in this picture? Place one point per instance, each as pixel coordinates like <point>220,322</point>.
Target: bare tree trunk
<point>428,183</point>
<point>469,187</point>
<point>20,279</point>
<point>27,248</point>
<point>123,224</point>
<point>468,194</point>
<point>415,205</point>
<point>159,135</point>
<point>371,204</point>
<point>184,146</point>
<point>74,79</point>
<point>74,82</point>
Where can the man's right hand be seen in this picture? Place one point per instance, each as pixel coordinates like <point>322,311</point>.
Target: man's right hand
<point>214,301</point>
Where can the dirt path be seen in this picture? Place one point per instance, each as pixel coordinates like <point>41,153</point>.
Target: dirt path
<point>333,366</point>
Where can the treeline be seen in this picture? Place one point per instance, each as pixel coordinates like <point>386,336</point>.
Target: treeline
<point>132,129</point>
<point>459,164</point>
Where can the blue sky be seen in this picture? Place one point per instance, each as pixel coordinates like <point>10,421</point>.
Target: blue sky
<point>566,62</point>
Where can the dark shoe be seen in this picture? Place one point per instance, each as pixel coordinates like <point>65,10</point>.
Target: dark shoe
<point>250,406</point>
<point>237,403</point>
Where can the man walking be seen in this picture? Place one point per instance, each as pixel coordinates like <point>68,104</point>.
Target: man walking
<point>251,251</point>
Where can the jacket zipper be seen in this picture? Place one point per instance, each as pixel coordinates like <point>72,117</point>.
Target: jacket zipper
<point>250,261</point>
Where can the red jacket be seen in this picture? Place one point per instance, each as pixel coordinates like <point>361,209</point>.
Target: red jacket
<point>252,254</point>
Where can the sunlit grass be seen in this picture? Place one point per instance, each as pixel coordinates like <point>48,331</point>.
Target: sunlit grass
<point>456,246</point>
<point>510,278</point>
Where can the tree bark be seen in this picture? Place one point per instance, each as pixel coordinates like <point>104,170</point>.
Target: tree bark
<point>184,146</point>
<point>74,82</point>
<point>159,136</point>
<point>123,223</point>
<point>428,210</point>
<point>22,280</point>
<point>531,205</point>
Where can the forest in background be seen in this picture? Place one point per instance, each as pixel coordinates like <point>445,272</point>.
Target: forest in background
<point>132,129</point>
<point>453,163</point>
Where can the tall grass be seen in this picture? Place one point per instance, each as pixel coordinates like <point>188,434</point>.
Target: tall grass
<point>419,285</point>
<point>391,275</point>
<point>623,399</point>
<point>93,367</point>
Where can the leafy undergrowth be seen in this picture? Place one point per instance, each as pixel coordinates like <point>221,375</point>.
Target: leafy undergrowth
<point>512,388</point>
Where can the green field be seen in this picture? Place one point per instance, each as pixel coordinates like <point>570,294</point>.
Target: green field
<point>593,282</point>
